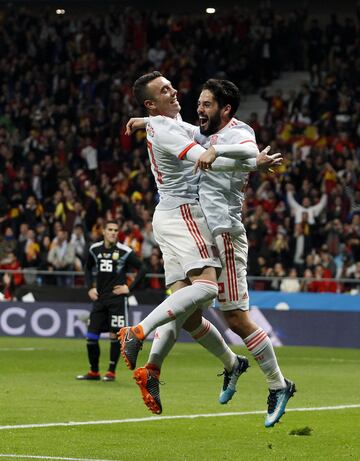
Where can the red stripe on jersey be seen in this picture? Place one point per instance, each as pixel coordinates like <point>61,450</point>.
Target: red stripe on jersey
<point>248,140</point>
<point>186,150</point>
<point>153,162</point>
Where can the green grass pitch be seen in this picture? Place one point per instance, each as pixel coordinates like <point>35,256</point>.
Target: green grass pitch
<point>37,386</point>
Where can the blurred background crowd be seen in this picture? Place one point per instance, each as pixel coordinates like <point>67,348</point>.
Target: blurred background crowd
<point>66,164</point>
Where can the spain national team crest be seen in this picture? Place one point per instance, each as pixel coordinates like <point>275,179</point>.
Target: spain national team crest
<point>115,255</point>
<point>213,139</point>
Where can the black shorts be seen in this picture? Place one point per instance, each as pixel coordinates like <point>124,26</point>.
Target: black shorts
<point>109,315</point>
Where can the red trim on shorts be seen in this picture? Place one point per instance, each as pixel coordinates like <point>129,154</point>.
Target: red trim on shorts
<point>186,150</point>
<point>153,162</point>
<point>228,273</point>
<point>205,281</point>
<point>194,231</point>
<point>230,267</point>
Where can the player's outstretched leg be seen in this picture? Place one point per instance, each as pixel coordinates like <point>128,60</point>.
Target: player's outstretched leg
<point>130,346</point>
<point>147,378</point>
<point>231,379</point>
<point>277,400</point>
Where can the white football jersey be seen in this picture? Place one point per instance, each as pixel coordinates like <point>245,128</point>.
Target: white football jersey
<point>222,193</point>
<point>168,141</point>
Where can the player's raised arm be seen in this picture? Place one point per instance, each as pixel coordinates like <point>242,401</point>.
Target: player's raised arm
<point>208,160</point>
<point>136,123</point>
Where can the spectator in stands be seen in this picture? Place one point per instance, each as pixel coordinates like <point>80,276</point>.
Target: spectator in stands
<point>10,262</point>
<point>312,211</point>
<point>7,287</point>
<point>90,154</point>
<point>290,284</point>
<point>155,267</point>
<point>320,284</point>
<point>307,280</point>
<point>148,243</point>
<point>354,273</point>
<point>42,136</point>
<point>77,239</point>
<point>7,242</point>
<point>62,257</point>
<point>28,250</point>
<point>279,273</point>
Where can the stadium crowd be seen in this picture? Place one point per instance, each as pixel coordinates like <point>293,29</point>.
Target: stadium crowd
<point>66,164</point>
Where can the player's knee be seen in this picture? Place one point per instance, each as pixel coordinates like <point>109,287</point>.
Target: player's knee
<point>209,289</point>
<point>240,322</point>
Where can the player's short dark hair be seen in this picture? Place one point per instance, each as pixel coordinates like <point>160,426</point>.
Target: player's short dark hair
<point>225,92</point>
<point>140,89</point>
<point>110,221</point>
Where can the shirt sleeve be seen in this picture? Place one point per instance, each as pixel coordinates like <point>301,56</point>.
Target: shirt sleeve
<point>242,145</point>
<point>174,138</point>
<point>229,164</point>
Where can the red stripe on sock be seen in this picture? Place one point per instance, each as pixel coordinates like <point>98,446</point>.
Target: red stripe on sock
<point>203,332</point>
<point>256,341</point>
<point>249,342</point>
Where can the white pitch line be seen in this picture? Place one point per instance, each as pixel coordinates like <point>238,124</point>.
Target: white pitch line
<point>17,349</point>
<point>162,418</point>
<point>51,457</point>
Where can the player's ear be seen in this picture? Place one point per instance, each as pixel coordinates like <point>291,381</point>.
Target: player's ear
<point>149,104</point>
<point>227,110</point>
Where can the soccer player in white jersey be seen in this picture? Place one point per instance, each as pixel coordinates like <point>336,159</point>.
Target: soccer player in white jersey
<point>221,197</point>
<point>179,225</point>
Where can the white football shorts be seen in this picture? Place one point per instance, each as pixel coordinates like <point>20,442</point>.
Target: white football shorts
<point>233,288</point>
<point>185,241</point>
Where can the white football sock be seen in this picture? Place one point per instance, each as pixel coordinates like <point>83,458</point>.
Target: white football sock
<point>259,345</point>
<point>164,340</point>
<point>210,338</point>
<point>181,302</point>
